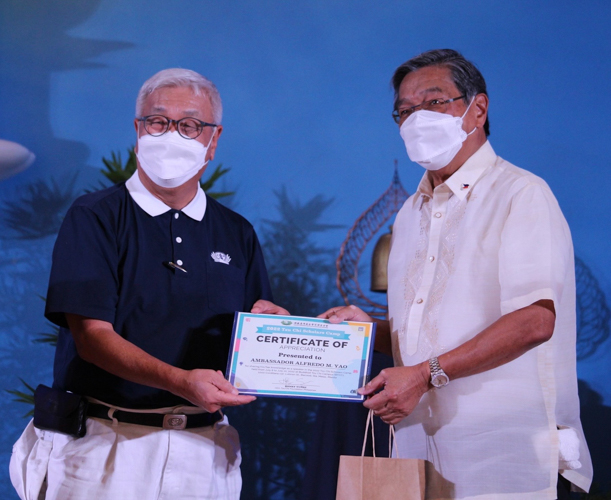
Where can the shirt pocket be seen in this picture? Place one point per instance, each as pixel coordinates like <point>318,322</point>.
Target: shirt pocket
<point>225,288</point>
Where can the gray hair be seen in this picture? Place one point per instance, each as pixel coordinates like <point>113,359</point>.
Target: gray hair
<point>467,78</point>
<point>179,77</point>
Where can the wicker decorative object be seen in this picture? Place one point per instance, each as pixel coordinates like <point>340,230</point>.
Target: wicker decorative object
<point>359,235</point>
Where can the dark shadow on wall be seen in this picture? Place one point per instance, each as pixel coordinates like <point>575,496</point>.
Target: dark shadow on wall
<point>593,312</point>
<point>34,45</point>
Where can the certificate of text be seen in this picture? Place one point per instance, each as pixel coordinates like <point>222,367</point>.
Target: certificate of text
<point>293,356</point>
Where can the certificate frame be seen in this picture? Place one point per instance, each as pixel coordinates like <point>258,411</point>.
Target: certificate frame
<point>300,357</point>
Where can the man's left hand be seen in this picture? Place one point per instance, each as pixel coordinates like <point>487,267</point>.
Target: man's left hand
<point>396,391</point>
<point>267,307</point>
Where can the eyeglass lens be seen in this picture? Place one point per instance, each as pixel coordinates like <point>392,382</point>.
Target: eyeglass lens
<point>437,105</point>
<point>187,127</point>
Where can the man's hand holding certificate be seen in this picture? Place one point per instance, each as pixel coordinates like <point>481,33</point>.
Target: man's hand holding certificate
<point>293,356</point>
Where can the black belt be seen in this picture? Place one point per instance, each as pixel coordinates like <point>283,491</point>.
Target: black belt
<point>165,421</point>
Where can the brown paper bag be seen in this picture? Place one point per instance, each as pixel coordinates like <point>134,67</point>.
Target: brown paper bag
<point>377,478</point>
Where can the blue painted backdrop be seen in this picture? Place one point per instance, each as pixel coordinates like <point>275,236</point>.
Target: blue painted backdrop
<point>307,102</point>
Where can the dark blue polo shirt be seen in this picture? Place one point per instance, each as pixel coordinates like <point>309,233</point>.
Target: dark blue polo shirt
<point>108,264</point>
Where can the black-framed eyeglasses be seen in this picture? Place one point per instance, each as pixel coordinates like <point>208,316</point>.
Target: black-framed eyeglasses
<point>437,105</point>
<point>188,127</point>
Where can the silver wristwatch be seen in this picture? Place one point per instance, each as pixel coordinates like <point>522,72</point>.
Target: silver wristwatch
<point>439,378</point>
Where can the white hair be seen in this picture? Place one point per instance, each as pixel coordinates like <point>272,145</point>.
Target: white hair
<point>179,77</point>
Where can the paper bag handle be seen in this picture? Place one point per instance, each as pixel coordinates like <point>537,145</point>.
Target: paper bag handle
<point>391,437</point>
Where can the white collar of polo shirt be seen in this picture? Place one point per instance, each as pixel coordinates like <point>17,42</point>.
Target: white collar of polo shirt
<point>154,206</point>
<point>462,181</point>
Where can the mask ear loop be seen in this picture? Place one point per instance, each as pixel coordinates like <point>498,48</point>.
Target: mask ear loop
<point>208,146</point>
<point>468,107</point>
<point>463,116</point>
<point>212,137</point>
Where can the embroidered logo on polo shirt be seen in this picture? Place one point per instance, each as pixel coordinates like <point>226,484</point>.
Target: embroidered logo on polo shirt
<point>221,257</point>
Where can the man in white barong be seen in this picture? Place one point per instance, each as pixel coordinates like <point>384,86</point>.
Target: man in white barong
<point>481,296</point>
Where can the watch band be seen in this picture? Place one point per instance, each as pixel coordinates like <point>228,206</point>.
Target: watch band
<point>439,378</point>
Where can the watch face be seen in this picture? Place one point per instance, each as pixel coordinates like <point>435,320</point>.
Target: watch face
<point>439,380</point>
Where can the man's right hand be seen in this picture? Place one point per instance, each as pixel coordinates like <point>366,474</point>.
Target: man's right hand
<point>98,343</point>
<point>209,390</point>
<point>395,392</point>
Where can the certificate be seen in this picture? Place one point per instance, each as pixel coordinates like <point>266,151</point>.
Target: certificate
<point>298,357</point>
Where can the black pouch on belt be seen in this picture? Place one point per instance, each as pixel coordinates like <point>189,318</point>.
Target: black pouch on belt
<point>60,411</point>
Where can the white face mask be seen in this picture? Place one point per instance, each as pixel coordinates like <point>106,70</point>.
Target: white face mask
<point>171,160</point>
<point>433,139</point>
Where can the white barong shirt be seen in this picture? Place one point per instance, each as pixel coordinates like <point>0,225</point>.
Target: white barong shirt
<point>488,241</point>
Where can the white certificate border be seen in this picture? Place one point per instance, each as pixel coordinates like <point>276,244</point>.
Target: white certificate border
<point>232,361</point>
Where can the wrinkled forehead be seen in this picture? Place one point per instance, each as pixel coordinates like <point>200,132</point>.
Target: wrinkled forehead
<point>426,83</point>
<point>183,101</point>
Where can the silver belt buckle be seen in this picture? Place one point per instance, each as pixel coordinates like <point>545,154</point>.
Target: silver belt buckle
<point>174,421</point>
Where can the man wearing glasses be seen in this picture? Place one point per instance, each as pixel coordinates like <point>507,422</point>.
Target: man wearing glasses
<point>145,281</point>
<point>481,298</point>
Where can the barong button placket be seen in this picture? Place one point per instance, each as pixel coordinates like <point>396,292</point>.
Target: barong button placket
<point>440,198</point>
